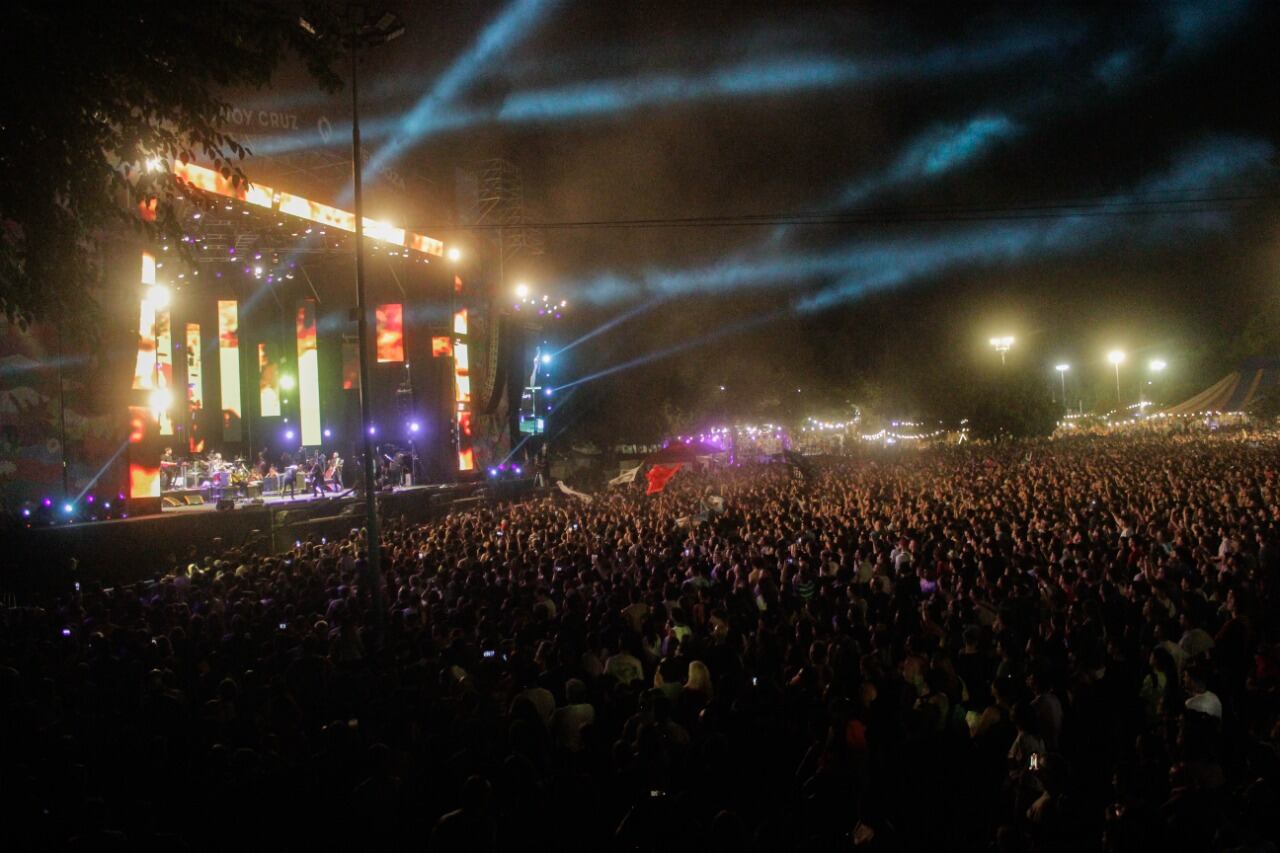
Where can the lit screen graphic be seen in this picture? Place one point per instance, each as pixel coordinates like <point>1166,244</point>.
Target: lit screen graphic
<point>384,232</point>
<point>212,181</point>
<point>229,367</point>
<point>268,385</point>
<point>164,367</point>
<point>441,347</point>
<point>390,326</point>
<point>462,392</point>
<point>314,211</point>
<point>195,389</point>
<point>426,245</point>
<point>144,371</point>
<point>308,374</point>
<point>144,474</point>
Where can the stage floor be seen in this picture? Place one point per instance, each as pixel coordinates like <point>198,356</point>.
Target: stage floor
<point>125,550</point>
<point>274,500</point>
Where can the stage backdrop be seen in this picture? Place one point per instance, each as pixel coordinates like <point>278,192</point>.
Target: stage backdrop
<point>276,390</point>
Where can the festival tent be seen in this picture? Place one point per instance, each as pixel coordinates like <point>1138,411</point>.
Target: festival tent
<point>1236,391</point>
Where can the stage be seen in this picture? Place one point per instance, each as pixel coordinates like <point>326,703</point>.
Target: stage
<point>132,549</point>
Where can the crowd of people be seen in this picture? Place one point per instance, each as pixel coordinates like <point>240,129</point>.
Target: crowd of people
<point>1066,645</point>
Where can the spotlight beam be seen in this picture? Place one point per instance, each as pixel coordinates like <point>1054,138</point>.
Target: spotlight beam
<point>94,479</point>
<point>610,324</point>
<point>434,113</point>
<point>516,21</point>
<point>684,346</point>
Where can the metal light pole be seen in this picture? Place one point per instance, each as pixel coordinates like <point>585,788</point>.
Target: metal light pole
<point>387,28</point>
<point>1116,357</point>
<point>1002,346</point>
<point>1062,374</point>
<point>1157,367</point>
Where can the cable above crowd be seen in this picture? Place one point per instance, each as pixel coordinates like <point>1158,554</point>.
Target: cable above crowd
<point>1066,645</point>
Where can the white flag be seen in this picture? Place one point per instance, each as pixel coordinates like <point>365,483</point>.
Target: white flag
<point>628,476</point>
<point>574,492</point>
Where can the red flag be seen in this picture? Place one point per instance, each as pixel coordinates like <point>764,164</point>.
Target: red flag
<point>660,475</point>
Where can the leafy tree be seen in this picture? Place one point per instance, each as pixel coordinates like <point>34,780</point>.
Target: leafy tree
<point>1014,406</point>
<point>91,96</point>
<point>1267,406</point>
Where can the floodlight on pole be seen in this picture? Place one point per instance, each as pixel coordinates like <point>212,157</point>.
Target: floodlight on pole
<point>1116,357</point>
<point>454,254</point>
<point>522,290</point>
<point>1062,374</point>
<point>1157,365</point>
<point>1002,345</point>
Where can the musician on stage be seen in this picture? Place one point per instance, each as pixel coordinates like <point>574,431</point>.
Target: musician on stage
<point>317,476</point>
<point>167,464</point>
<point>290,474</point>
<point>334,472</point>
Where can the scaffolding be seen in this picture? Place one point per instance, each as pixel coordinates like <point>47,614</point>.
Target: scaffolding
<point>500,208</point>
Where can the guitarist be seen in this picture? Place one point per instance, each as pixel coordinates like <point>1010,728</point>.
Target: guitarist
<point>334,472</point>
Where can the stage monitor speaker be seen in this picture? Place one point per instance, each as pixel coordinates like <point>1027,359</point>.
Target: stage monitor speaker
<point>171,501</point>
<point>253,490</point>
<point>194,500</point>
<point>226,503</point>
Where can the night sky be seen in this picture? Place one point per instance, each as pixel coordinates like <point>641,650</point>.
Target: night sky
<point>1081,176</point>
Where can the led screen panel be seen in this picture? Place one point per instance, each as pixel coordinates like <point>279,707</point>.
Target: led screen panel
<point>268,385</point>
<point>229,367</point>
<point>390,332</point>
<point>308,374</point>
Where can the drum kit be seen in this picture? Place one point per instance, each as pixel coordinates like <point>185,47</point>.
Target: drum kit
<point>213,472</point>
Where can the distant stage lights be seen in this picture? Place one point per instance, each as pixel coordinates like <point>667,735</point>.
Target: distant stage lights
<point>287,382</point>
<point>158,295</point>
<point>454,254</point>
<point>161,400</point>
<point>522,290</point>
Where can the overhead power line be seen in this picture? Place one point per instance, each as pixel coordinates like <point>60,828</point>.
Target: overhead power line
<point>1151,205</point>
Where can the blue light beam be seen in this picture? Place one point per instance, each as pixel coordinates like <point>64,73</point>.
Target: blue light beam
<point>505,31</point>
